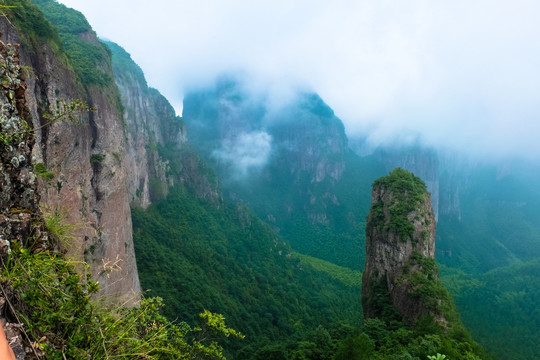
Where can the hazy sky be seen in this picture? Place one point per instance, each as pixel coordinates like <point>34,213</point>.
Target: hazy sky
<point>464,73</point>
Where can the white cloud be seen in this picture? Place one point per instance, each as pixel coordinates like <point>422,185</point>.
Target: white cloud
<point>463,73</point>
<point>245,152</point>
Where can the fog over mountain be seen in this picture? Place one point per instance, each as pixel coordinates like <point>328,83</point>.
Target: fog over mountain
<point>463,74</point>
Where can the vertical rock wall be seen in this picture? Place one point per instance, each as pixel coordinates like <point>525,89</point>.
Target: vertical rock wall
<point>18,184</point>
<point>89,183</point>
<point>400,250</point>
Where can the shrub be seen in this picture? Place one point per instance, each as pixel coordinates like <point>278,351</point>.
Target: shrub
<point>54,302</point>
<point>96,159</point>
<point>43,172</point>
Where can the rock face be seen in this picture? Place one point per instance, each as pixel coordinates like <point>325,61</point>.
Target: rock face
<point>150,122</point>
<point>158,154</point>
<point>18,183</point>
<point>19,212</point>
<point>87,182</point>
<point>400,272</point>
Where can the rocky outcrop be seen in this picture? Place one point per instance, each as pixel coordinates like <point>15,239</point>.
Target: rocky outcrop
<point>87,179</point>
<point>18,183</point>
<point>400,280</point>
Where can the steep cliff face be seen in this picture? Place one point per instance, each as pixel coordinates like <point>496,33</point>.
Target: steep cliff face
<point>400,276</point>
<point>150,121</point>
<point>18,183</point>
<point>158,154</point>
<point>87,177</point>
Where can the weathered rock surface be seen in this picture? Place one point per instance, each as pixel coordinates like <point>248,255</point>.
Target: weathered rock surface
<point>400,248</point>
<point>89,182</point>
<point>19,211</point>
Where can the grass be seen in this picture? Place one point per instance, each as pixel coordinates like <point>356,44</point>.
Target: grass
<point>348,277</point>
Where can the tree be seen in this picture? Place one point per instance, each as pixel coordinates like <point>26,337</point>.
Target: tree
<point>355,348</point>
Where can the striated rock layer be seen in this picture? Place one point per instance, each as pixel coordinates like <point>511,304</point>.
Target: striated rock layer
<point>400,280</point>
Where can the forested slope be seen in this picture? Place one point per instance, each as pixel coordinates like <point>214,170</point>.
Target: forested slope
<point>226,260</point>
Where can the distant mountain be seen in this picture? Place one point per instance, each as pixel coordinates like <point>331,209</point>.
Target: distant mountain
<point>291,164</point>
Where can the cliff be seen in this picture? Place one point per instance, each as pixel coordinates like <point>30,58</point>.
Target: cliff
<point>158,154</point>
<point>149,121</point>
<point>86,178</point>
<point>400,276</point>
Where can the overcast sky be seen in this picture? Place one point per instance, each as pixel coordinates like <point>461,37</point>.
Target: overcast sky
<point>464,73</point>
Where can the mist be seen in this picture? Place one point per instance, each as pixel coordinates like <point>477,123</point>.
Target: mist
<point>460,74</point>
<point>245,152</point>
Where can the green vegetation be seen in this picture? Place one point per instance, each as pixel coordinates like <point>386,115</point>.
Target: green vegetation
<point>499,306</point>
<point>408,192</point>
<point>352,278</point>
<point>437,357</point>
<point>490,251</point>
<point>197,256</point>
<point>54,302</point>
<point>123,65</point>
<point>96,159</point>
<point>58,228</point>
<point>43,172</point>
<point>426,286</point>
<point>86,58</point>
<point>25,15</point>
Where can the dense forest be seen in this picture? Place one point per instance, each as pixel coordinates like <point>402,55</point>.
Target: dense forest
<point>226,260</point>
